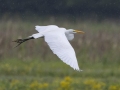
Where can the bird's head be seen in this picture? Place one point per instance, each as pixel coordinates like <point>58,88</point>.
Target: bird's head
<point>75,31</point>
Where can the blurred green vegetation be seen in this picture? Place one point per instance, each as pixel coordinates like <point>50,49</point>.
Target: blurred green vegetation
<point>48,75</point>
<point>33,66</point>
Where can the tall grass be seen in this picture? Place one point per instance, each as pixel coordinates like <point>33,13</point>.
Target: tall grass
<point>100,42</point>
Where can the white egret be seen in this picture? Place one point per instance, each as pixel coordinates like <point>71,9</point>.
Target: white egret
<point>57,39</point>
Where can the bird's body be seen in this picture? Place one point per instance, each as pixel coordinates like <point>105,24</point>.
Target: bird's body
<point>57,39</point>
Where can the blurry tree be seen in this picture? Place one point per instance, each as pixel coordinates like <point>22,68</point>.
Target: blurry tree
<point>61,7</point>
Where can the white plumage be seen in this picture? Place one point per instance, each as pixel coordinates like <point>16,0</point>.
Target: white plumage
<point>57,39</point>
<point>60,46</point>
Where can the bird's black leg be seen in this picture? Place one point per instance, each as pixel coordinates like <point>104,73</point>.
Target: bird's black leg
<point>20,41</point>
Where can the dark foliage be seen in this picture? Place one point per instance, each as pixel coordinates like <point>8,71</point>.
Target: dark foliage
<point>61,7</point>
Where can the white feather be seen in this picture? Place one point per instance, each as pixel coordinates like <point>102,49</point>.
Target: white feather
<point>60,46</point>
<point>37,35</point>
<point>69,36</point>
<point>43,29</point>
<point>57,39</point>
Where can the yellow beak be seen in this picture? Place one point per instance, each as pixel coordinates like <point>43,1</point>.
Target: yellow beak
<point>77,31</point>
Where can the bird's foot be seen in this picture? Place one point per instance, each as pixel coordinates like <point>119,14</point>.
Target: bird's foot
<point>19,41</point>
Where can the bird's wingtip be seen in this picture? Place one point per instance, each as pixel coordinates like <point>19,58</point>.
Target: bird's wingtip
<point>78,70</point>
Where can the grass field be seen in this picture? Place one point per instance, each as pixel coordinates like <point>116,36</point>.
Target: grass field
<point>32,66</point>
<point>55,75</point>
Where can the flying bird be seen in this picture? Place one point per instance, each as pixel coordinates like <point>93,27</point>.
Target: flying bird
<point>57,39</point>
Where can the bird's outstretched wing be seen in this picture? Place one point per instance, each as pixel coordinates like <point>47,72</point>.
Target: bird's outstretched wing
<point>43,29</point>
<point>60,46</point>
